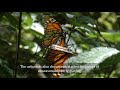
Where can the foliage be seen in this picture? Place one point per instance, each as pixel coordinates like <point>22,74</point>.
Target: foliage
<point>94,59</point>
<point>87,31</point>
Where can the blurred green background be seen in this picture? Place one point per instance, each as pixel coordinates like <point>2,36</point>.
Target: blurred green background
<point>88,30</point>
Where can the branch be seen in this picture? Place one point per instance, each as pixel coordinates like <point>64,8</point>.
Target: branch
<point>18,44</point>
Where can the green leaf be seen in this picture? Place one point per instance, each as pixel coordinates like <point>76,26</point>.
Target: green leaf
<point>26,20</point>
<point>110,61</point>
<point>82,20</point>
<point>5,70</point>
<point>86,29</point>
<point>113,37</point>
<point>8,27</point>
<point>89,60</point>
<point>84,24</point>
<point>12,19</point>
<point>85,19</point>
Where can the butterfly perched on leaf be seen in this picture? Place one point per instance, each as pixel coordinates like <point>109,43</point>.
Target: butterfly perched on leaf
<point>54,39</point>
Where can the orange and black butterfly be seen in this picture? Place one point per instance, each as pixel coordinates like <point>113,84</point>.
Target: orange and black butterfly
<point>54,40</point>
<point>52,31</point>
<point>58,54</point>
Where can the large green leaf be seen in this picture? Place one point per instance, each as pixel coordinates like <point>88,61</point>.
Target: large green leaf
<point>86,61</point>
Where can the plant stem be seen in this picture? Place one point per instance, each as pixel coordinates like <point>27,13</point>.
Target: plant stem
<point>18,44</point>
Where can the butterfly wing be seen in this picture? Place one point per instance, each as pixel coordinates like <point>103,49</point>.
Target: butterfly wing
<point>50,39</point>
<point>58,58</point>
<point>53,31</point>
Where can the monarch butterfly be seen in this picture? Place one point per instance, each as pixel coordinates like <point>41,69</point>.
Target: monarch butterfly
<point>58,55</point>
<point>54,40</point>
<point>53,31</point>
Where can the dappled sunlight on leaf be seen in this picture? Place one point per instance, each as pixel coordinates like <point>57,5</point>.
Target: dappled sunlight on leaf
<point>93,57</point>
